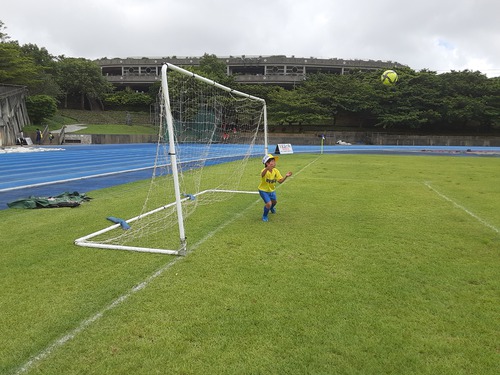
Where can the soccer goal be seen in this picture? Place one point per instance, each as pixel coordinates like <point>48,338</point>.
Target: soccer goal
<point>207,134</point>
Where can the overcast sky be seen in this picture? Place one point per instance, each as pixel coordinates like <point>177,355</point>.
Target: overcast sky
<point>440,35</point>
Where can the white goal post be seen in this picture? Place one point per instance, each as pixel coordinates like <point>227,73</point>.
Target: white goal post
<point>207,133</point>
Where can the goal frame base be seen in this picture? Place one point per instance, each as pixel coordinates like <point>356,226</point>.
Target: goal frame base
<point>182,251</point>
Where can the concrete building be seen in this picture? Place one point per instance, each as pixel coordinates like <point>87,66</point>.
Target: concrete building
<point>140,73</point>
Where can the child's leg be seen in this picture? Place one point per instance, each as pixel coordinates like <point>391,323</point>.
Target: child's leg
<point>267,199</point>
<point>267,208</point>
<point>273,203</point>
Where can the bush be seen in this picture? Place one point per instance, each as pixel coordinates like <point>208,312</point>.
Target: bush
<point>40,107</point>
<point>127,99</point>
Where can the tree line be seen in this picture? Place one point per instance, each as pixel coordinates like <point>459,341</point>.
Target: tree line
<point>424,101</point>
<point>457,101</point>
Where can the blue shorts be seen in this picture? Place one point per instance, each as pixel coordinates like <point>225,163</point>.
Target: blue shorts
<point>268,196</point>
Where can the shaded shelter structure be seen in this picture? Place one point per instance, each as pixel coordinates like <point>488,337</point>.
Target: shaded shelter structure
<point>13,113</point>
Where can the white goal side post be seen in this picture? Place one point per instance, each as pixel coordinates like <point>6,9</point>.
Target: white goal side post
<point>207,133</point>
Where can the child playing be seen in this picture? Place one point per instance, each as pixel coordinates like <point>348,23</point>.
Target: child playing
<point>268,178</point>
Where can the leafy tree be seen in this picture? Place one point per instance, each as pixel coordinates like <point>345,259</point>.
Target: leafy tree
<point>420,101</point>
<point>81,78</point>
<point>40,107</point>
<point>26,65</point>
<point>260,91</point>
<point>467,98</point>
<point>40,56</point>
<point>17,68</point>
<point>293,107</point>
<point>492,100</point>
<point>46,84</point>
<point>128,99</point>
<point>153,90</point>
<point>345,95</point>
<point>413,104</point>
<point>4,37</point>
<point>213,68</point>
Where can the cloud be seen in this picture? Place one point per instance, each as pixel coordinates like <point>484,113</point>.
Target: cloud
<point>436,35</point>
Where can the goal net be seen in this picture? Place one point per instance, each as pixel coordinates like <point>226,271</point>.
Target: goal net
<point>207,134</point>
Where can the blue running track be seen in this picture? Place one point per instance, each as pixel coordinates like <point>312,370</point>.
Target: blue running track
<point>84,168</point>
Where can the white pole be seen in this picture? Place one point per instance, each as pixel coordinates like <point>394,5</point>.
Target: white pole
<point>266,146</point>
<point>173,158</point>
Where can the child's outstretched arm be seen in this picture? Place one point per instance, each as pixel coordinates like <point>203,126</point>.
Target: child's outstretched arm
<point>288,174</point>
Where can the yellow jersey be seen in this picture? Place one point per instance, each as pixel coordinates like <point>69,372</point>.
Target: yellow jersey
<point>268,182</point>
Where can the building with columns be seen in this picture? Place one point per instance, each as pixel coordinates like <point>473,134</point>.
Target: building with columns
<point>140,73</point>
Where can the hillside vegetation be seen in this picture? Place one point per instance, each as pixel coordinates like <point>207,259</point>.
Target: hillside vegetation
<point>106,117</point>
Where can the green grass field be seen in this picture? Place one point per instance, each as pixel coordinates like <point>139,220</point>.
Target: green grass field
<point>118,129</point>
<point>372,265</point>
<point>98,122</point>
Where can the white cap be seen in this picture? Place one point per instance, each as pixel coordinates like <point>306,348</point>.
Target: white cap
<point>266,158</point>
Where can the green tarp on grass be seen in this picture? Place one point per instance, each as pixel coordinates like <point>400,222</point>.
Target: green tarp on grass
<point>62,200</point>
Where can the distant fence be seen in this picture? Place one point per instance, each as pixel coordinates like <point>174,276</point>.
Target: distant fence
<point>70,138</point>
<point>433,140</point>
<point>331,138</point>
<point>310,139</point>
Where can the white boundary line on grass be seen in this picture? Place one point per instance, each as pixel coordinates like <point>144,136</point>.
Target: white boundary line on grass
<point>87,322</point>
<point>486,224</point>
